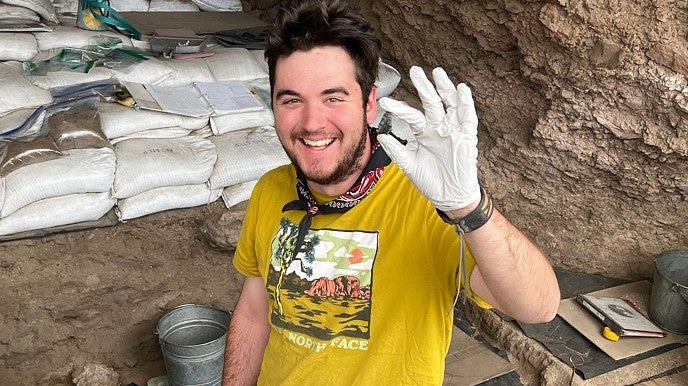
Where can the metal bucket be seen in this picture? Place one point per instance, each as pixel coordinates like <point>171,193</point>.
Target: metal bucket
<point>669,300</point>
<point>192,338</point>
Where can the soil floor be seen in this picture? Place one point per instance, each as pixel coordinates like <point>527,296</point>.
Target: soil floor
<point>93,298</point>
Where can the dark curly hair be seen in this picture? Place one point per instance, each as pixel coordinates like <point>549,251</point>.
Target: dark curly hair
<point>309,24</point>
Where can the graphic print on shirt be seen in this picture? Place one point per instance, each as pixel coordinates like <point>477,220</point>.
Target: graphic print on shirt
<point>324,291</point>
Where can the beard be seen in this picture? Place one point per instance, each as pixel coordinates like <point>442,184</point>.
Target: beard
<point>348,164</point>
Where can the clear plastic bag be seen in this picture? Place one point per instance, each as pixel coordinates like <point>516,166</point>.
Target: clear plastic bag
<point>16,154</point>
<point>104,51</point>
<point>33,125</point>
<point>77,127</point>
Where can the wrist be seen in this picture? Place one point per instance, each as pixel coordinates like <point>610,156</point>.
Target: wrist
<point>457,214</point>
<point>471,217</point>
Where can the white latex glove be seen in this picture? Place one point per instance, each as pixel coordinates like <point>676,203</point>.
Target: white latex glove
<point>444,166</point>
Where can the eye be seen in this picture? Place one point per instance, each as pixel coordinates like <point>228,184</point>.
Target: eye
<point>290,101</point>
<point>334,100</point>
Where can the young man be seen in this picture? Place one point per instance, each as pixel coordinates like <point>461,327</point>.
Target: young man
<point>351,274</point>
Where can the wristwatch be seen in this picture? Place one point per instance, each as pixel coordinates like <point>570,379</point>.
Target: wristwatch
<point>474,220</point>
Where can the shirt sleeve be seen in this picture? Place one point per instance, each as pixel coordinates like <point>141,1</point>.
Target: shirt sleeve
<point>245,257</point>
<point>470,265</point>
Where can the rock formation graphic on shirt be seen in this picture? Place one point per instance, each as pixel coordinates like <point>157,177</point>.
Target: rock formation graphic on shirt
<point>324,290</point>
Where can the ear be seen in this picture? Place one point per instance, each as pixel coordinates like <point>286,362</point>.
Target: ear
<point>371,105</point>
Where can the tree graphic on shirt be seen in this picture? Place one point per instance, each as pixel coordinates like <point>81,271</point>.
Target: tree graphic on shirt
<point>286,255</point>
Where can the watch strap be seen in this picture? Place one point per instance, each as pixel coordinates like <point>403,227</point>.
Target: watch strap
<point>476,218</point>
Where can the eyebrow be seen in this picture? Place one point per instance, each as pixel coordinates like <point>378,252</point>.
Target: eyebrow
<point>283,92</point>
<point>335,90</point>
<point>328,91</point>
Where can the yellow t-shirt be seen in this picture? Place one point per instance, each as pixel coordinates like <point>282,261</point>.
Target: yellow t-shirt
<point>368,300</point>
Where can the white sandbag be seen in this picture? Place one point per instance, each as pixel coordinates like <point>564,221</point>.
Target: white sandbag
<point>235,194</point>
<point>2,192</point>
<point>186,72</point>
<point>165,132</point>
<point>17,90</point>
<point>66,6</point>
<point>245,155</point>
<point>130,5</point>
<point>204,132</point>
<point>222,124</point>
<point>17,13</point>
<point>165,198</point>
<point>387,79</point>
<point>57,211</point>
<point>149,163</point>
<point>260,57</point>
<point>42,7</point>
<point>219,5</point>
<point>79,171</point>
<point>260,87</point>
<point>148,71</point>
<point>233,63</point>
<point>17,46</point>
<point>172,6</point>
<point>117,120</point>
<point>143,45</point>
<point>70,36</point>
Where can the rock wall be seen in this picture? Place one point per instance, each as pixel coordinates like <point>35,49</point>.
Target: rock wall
<point>584,115</point>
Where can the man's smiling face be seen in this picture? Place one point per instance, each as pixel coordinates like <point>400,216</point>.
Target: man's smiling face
<point>320,117</point>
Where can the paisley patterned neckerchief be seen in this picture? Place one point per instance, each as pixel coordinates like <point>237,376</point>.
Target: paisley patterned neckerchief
<point>364,184</point>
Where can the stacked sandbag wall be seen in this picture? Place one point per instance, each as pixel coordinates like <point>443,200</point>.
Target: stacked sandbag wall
<point>146,161</point>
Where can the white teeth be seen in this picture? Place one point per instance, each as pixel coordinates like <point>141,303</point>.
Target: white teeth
<point>318,143</point>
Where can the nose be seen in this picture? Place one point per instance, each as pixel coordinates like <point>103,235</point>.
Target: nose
<point>313,117</point>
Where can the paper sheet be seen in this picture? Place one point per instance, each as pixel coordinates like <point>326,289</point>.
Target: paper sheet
<point>184,100</point>
<point>229,97</point>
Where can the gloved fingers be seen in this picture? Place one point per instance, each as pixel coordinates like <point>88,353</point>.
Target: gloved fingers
<point>449,95</point>
<point>468,118</point>
<point>432,104</point>
<point>408,114</point>
<point>445,87</point>
<point>398,152</point>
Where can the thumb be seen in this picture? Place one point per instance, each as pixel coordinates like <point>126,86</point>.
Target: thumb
<point>398,152</point>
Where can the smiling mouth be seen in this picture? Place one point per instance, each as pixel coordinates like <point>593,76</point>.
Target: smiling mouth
<point>320,143</point>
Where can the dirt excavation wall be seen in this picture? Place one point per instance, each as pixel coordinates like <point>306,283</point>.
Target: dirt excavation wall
<point>583,109</point>
<point>584,115</point>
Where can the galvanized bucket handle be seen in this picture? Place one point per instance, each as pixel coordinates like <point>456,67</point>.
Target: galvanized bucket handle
<point>682,291</point>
